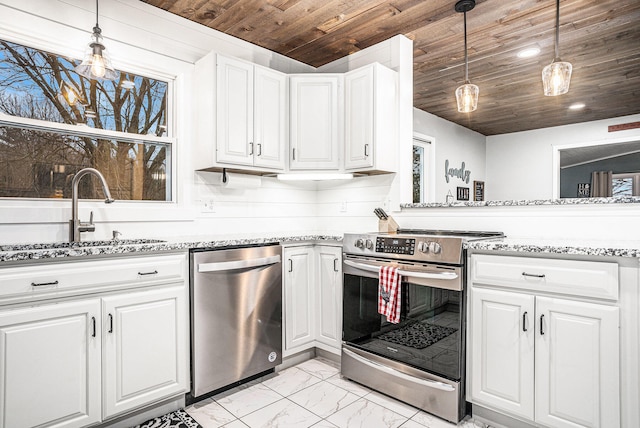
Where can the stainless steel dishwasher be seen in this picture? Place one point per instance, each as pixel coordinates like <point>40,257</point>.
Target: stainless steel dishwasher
<point>236,315</point>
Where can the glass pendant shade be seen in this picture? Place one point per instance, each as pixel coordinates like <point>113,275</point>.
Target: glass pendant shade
<point>467,97</point>
<point>556,78</point>
<point>557,75</point>
<point>96,64</point>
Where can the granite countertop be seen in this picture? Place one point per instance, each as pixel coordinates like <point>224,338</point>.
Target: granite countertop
<point>26,252</point>
<point>529,202</point>
<point>560,246</point>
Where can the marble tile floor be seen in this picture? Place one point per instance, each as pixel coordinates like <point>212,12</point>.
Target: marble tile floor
<point>311,394</point>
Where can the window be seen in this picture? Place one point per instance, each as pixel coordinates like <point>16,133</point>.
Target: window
<point>54,122</point>
<point>626,184</point>
<point>420,165</point>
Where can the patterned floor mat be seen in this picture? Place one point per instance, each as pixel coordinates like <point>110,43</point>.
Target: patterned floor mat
<point>177,419</point>
<point>418,335</point>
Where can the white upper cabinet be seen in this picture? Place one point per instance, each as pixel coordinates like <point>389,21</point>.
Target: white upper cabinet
<point>371,125</point>
<point>250,114</point>
<point>269,118</point>
<point>316,129</point>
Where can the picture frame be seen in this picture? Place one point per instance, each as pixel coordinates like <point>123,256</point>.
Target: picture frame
<point>478,191</point>
<point>463,194</point>
<point>584,190</point>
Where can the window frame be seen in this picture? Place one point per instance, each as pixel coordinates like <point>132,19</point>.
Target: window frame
<point>87,131</point>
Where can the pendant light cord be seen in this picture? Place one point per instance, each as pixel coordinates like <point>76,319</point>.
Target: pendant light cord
<point>557,44</point>
<point>466,57</point>
<point>97,13</point>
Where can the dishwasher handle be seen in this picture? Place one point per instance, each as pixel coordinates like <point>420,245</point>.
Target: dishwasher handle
<point>238,264</point>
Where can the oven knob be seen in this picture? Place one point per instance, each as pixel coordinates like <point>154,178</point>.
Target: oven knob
<point>435,247</point>
<point>369,244</point>
<point>359,243</point>
<point>423,247</point>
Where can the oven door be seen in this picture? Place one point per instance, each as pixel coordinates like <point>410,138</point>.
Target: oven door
<point>430,334</point>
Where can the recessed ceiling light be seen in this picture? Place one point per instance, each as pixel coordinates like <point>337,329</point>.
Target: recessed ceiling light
<point>528,52</point>
<point>577,106</point>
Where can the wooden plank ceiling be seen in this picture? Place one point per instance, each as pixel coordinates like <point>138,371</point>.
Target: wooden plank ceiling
<point>601,38</point>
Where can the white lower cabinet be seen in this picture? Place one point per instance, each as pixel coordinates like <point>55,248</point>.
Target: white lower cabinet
<point>145,348</point>
<point>329,286</point>
<point>298,298</point>
<point>551,360</point>
<point>312,298</point>
<point>50,365</point>
<point>80,360</point>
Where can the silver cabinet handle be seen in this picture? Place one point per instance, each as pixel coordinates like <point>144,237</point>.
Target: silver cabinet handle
<point>366,150</point>
<point>250,148</point>
<point>238,264</point>
<point>542,325</point>
<point>335,265</point>
<point>154,272</point>
<point>429,383</point>
<point>293,153</point>
<point>524,321</point>
<point>290,265</point>
<point>93,322</point>
<point>42,284</point>
<point>110,323</point>
<point>259,150</point>
<point>533,275</point>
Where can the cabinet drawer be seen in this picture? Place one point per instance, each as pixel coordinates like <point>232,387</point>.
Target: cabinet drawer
<point>36,282</point>
<point>572,277</point>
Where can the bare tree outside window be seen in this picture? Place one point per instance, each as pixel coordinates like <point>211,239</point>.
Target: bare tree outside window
<point>39,161</point>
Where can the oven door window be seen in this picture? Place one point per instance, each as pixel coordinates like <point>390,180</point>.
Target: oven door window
<point>428,336</point>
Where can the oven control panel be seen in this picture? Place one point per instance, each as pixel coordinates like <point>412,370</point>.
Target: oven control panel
<point>395,245</point>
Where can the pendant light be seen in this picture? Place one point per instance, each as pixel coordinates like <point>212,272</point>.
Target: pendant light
<point>467,94</point>
<point>557,75</point>
<point>96,64</point>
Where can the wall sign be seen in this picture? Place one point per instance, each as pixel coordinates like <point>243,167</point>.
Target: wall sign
<point>624,126</point>
<point>478,191</point>
<point>462,173</point>
<point>463,193</point>
<point>584,190</point>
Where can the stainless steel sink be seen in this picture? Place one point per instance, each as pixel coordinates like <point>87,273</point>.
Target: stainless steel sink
<point>83,244</point>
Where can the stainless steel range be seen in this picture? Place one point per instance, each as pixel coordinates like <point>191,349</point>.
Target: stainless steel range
<point>421,359</point>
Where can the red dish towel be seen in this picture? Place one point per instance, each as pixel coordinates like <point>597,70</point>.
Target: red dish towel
<point>389,293</point>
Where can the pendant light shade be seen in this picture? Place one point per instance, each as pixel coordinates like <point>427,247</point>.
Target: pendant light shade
<point>467,97</point>
<point>467,94</point>
<point>96,64</point>
<point>557,75</point>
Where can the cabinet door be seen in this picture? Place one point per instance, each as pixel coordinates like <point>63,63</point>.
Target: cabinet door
<point>299,296</point>
<point>234,113</point>
<point>502,350</point>
<point>329,296</point>
<point>50,365</point>
<point>359,118</point>
<point>315,125</point>
<point>270,113</point>
<point>577,364</point>
<point>145,348</point>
